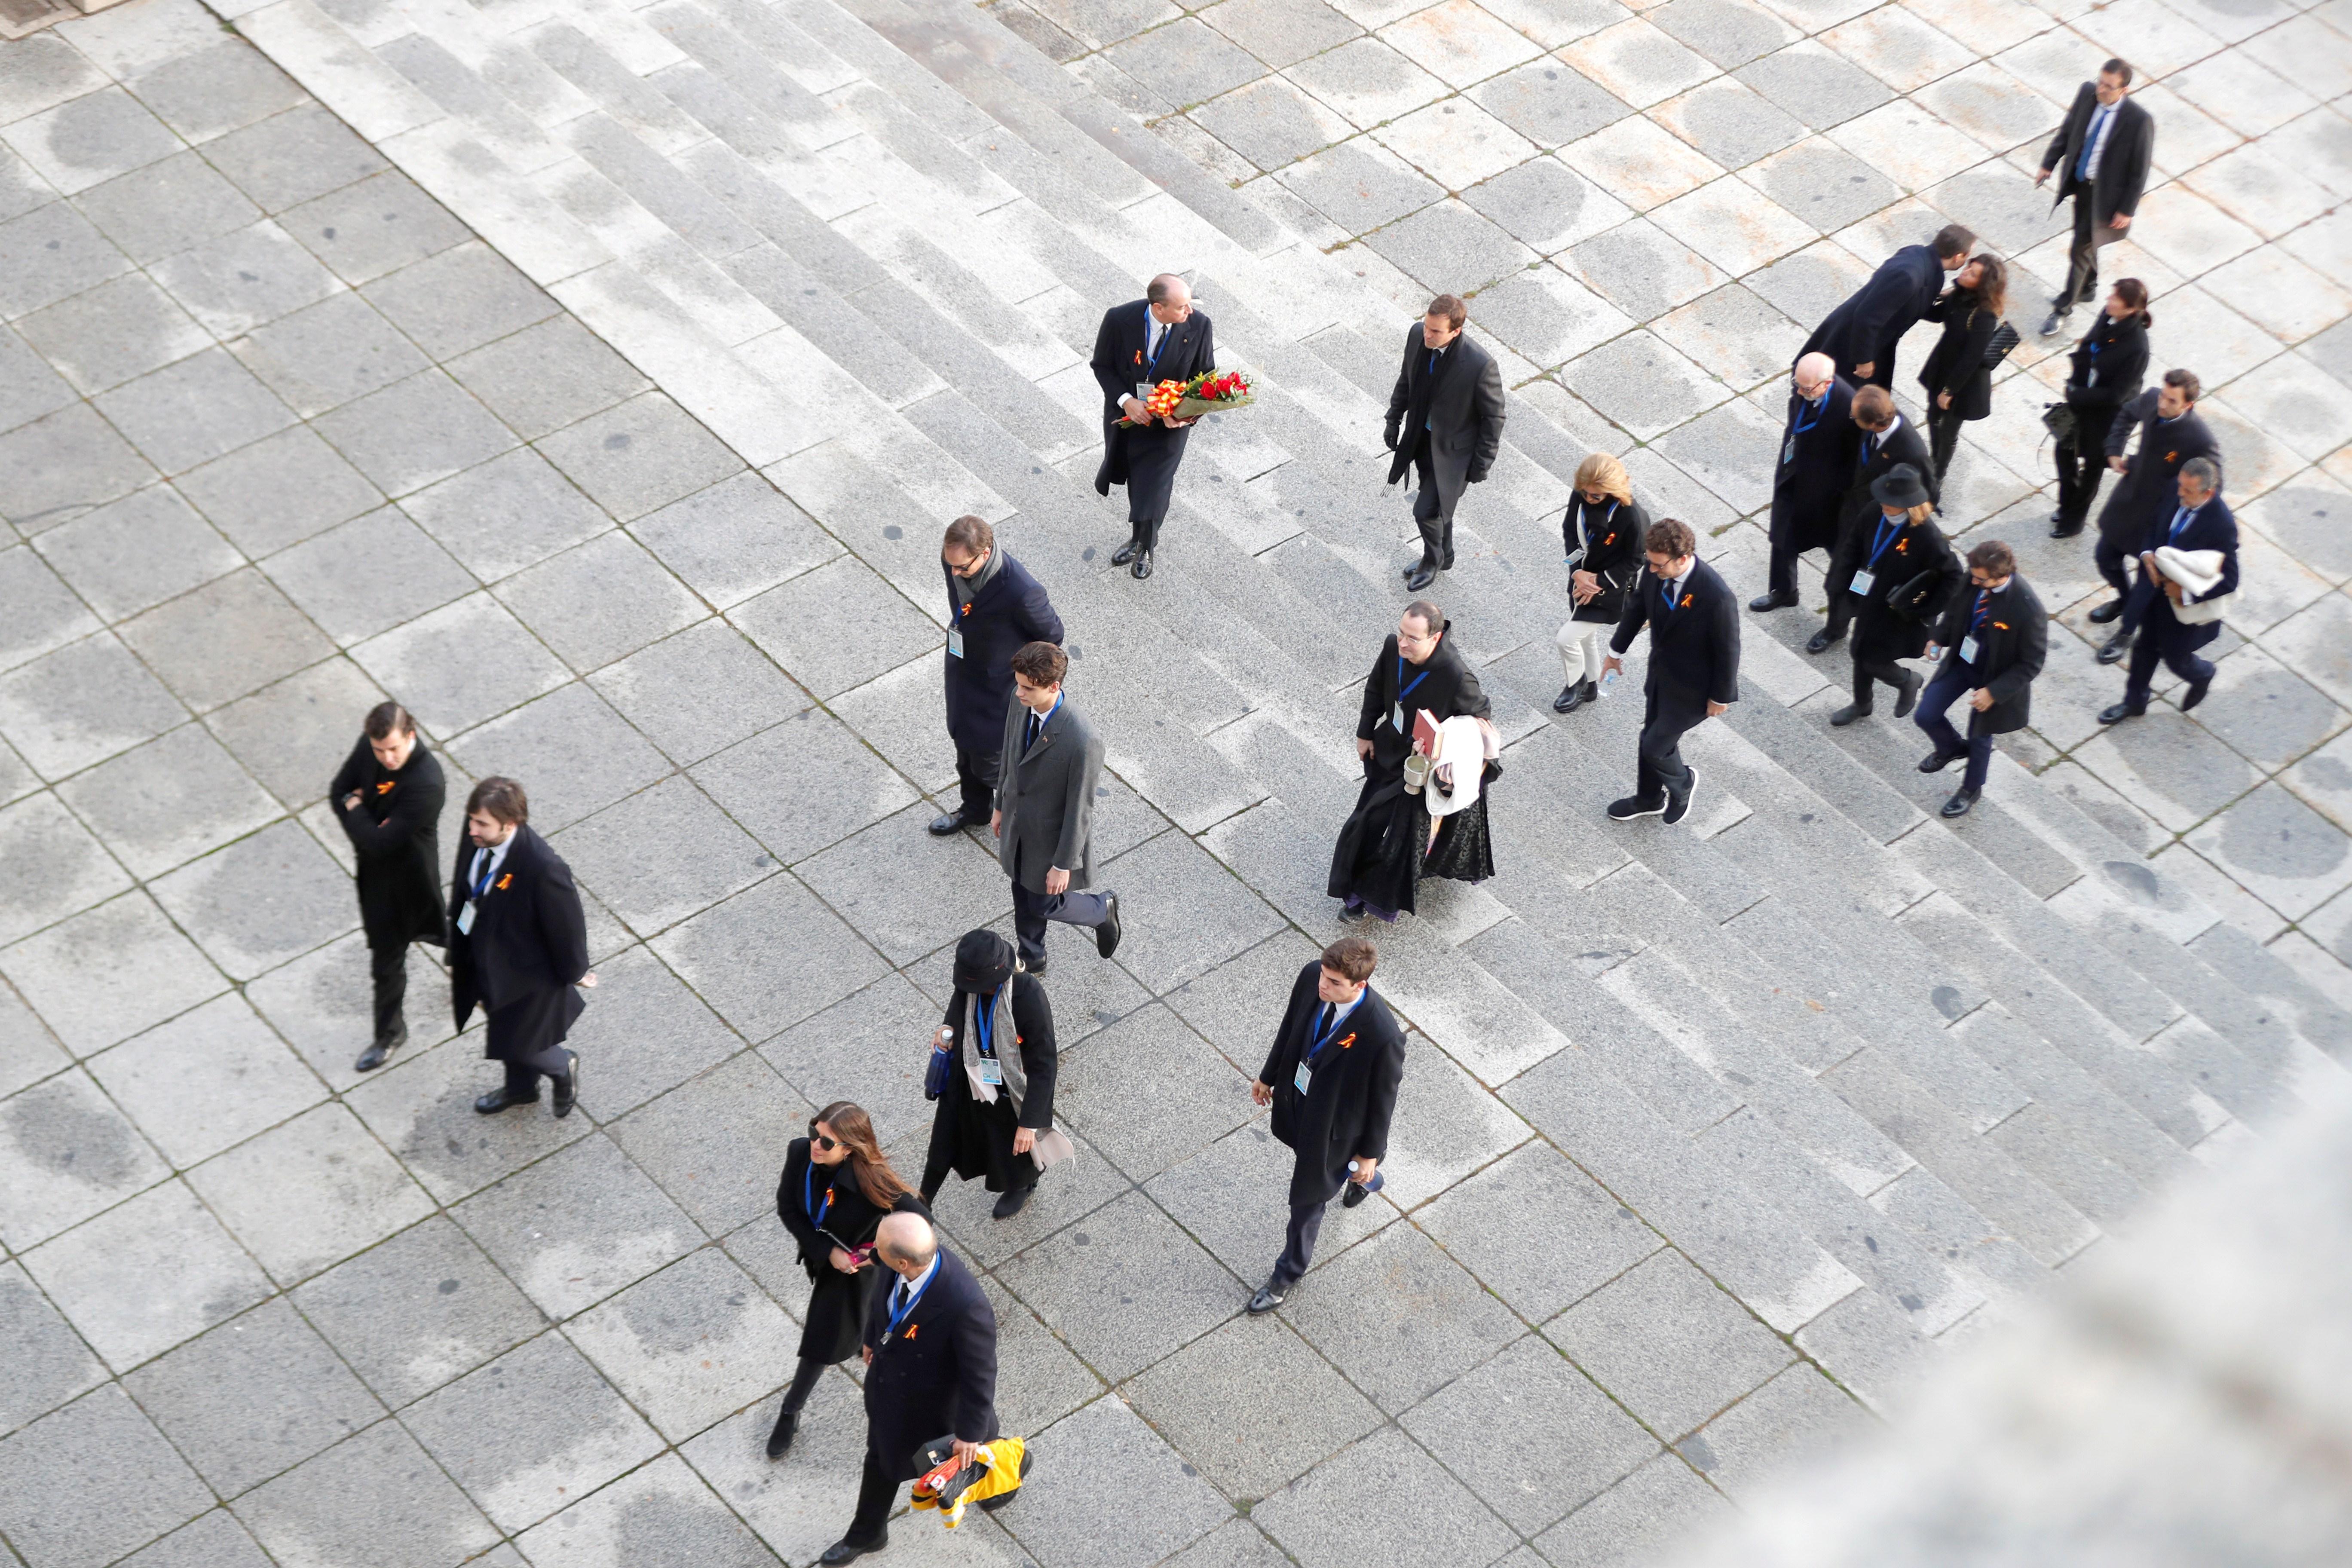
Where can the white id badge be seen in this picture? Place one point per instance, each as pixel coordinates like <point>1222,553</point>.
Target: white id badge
<point>990,1070</point>
<point>1396,716</point>
<point>955,641</point>
<point>1788,452</point>
<point>1968,649</point>
<point>1862,579</point>
<point>465,919</point>
<point>1302,1077</point>
<point>1143,392</point>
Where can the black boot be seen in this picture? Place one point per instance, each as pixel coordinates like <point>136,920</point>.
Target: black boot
<point>1012,1201</point>
<point>787,1421</point>
<point>1576,696</point>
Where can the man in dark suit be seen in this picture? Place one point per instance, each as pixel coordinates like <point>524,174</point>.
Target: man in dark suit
<point>1884,441</point>
<point>1861,334</point>
<point>2105,146</point>
<point>1809,484</point>
<point>2172,435</point>
<point>517,946</point>
<point>1993,639</point>
<point>1694,673</point>
<point>995,606</point>
<point>388,795</point>
<point>1445,424</point>
<point>1332,1079</point>
<point>1157,338</point>
<point>930,1372</point>
<point>2169,633</point>
<point>1044,819</point>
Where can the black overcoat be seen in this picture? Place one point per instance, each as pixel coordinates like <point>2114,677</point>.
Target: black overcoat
<point>2106,369</point>
<point>2212,527</point>
<point>935,1375</point>
<point>1876,458</point>
<point>976,1140</point>
<point>2123,167</point>
<point>2150,488</point>
<point>1610,535</point>
<point>1465,414</point>
<point>1144,457</point>
<point>1809,478</point>
<point>2016,641</point>
<point>823,1207</point>
<point>1350,1093</point>
<point>1010,610</point>
<point>1695,646</point>
<point>1381,846</point>
<point>395,835</point>
<point>523,960</point>
<point>1956,364</point>
<point>1916,577</point>
<point>1865,329</point>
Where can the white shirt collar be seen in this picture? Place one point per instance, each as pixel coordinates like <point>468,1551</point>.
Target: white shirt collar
<point>907,1287</point>
<point>498,854</point>
<point>1342,1009</point>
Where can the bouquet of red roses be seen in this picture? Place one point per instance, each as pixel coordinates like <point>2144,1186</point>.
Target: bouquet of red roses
<point>1211,392</point>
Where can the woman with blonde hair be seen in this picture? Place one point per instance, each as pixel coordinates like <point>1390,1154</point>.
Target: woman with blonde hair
<point>836,1186</point>
<point>1601,532</point>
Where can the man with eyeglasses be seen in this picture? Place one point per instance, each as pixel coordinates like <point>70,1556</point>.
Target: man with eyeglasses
<point>994,606</point>
<point>2193,554</point>
<point>1993,639</point>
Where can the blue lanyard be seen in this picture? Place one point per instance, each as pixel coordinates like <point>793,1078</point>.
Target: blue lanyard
<point>1040,723</point>
<point>1151,365</point>
<point>1869,448</point>
<point>1666,592</point>
<point>1804,424</point>
<point>2181,520</point>
<point>980,1018</point>
<point>899,1314</point>
<point>1323,1037</point>
<point>1404,691</point>
<point>1581,509</point>
<point>1984,610</point>
<point>490,869</point>
<point>1886,536</point>
<point>808,1193</point>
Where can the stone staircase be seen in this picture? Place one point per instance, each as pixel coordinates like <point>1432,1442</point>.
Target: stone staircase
<point>1876,1073</point>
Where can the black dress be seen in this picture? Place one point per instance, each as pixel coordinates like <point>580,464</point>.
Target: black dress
<point>824,1208</point>
<point>971,1139</point>
<point>1384,848</point>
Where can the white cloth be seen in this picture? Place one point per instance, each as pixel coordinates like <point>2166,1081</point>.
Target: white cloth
<point>2197,571</point>
<point>1463,743</point>
<point>1579,650</point>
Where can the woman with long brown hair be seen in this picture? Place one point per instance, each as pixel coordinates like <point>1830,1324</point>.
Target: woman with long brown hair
<point>1957,380</point>
<point>836,1188</point>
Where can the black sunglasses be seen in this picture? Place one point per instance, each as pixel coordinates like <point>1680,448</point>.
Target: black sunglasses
<point>821,1141</point>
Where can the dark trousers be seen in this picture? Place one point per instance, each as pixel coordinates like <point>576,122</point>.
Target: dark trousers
<point>1942,692</point>
<point>1032,911</point>
<point>1298,1242</point>
<point>523,1073</point>
<point>2081,255</point>
<point>1943,438</point>
<point>2161,642</point>
<point>976,774</point>
<point>876,1492</point>
<point>1434,518</point>
<point>2117,568</point>
<point>388,969</point>
<point>1665,716</point>
<point>1781,575</point>
<point>1867,672</point>
<point>2082,463</point>
<point>804,1378</point>
<point>1839,586</point>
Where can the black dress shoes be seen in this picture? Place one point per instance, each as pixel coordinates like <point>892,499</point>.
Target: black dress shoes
<point>1678,805</point>
<point>779,1438</point>
<point>1634,806</point>
<point>567,1089</point>
<point>1936,762</point>
<point>2061,529</point>
<point>501,1099</point>
<point>2194,695</point>
<point>1420,577</point>
<point>848,1550</point>
<point>1011,1201</point>
<point>1106,934</point>
<point>1575,696</point>
<point>2119,713</point>
<point>2106,613</point>
<point>1126,553</point>
<point>1764,603</point>
<point>373,1058</point>
<point>1908,698</point>
<point>1848,714</point>
<point>1820,641</point>
<point>2052,323</point>
<point>949,824</point>
<point>1142,567</point>
<point>1961,803</point>
<point>2111,651</point>
<point>1269,1296</point>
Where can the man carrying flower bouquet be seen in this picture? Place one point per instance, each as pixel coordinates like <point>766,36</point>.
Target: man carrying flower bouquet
<point>1159,338</point>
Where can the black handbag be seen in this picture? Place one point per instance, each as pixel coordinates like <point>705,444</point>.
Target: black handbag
<point>1915,601</point>
<point>2004,338</point>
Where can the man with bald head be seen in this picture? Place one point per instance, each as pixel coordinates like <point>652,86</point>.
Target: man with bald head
<point>1160,337</point>
<point>1816,459</point>
<point>930,1372</point>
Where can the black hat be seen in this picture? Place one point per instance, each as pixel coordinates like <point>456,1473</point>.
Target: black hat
<point>1899,487</point>
<point>983,961</point>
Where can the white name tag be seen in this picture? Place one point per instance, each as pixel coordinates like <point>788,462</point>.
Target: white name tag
<point>1862,579</point>
<point>1302,1077</point>
<point>1143,392</point>
<point>1968,649</point>
<point>1396,716</point>
<point>1789,452</point>
<point>991,1071</point>
<point>955,642</point>
<point>465,919</point>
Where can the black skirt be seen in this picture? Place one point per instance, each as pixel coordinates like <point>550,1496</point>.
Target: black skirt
<point>1464,850</point>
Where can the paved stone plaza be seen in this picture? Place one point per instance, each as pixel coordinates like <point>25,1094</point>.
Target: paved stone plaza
<point>595,379</point>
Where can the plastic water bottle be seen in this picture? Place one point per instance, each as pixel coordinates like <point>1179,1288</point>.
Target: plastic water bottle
<point>1607,682</point>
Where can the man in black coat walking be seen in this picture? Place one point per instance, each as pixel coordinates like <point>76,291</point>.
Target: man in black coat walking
<point>930,1372</point>
<point>1157,338</point>
<point>1886,441</point>
<point>517,948</point>
<point>2172,435</point>
<point>1809,483</point>
<point>1445,424</point>
<point>1332,1079</point>
<point>1861,334</point>
<point>388,795</point>
<point>2104,145</point>
<point>1694,673</point>
<point>1993,639</point>
<point>994,606</point>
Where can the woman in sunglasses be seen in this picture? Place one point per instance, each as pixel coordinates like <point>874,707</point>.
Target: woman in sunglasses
<point>836,1188</point>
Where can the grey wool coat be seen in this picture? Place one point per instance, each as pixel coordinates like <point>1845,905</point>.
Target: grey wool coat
<point>1048,797</point>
